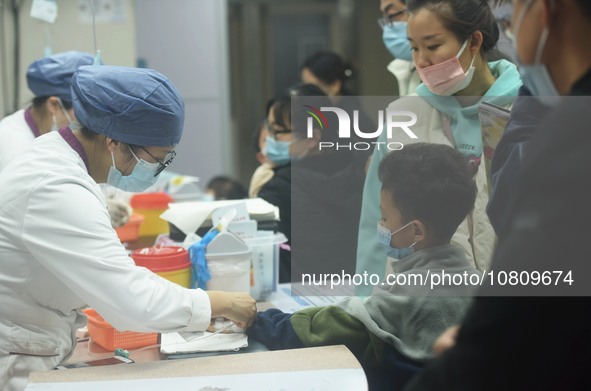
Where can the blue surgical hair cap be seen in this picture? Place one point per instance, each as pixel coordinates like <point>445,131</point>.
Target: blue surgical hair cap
<point>133,105</point>
<point>51,76</point>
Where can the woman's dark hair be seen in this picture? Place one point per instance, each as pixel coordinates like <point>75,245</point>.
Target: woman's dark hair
<point>463,17</point>
<point>298,119</point>
<point>39,101</point>
<point>430,182</point>
<point>303,89</point>
<point>586,6</point>
<point>226,188</point>
<point>328,67</point>
<point>256,137</point>
<point>281,105</point>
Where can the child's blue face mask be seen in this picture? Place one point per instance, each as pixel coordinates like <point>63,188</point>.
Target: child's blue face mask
<point>385,237</point>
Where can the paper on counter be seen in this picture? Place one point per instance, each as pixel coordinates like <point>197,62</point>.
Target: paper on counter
<point>188,216</point>
<point>178,343</point>
<point>284,300</point>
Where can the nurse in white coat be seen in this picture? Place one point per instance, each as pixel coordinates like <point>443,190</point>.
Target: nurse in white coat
<point>58,251</point>
<point>49,79</point>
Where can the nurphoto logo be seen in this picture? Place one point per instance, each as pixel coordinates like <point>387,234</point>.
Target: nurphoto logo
<point>394,119</point>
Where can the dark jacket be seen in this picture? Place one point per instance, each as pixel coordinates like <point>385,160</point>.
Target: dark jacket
<point>278,192</point>
<point>326,203</point>
<point>526,114</point>
<point>535,343</point>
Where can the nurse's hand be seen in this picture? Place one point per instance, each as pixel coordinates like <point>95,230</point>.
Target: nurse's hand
<point>120,211</point>
<point>238,307</point>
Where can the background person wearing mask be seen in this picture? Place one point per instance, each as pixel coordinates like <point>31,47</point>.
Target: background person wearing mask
<point>277,190</point>
<point>450,40</point>
<point>538,343</point>
<point>59,252</point>
<point>394,24</point>
<point>49,79</point>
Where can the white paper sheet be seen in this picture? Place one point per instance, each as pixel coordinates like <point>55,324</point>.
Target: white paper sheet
<point>188,216</point>
<point>320,380</point>
<point>178,343</point>
<point>286,302</point>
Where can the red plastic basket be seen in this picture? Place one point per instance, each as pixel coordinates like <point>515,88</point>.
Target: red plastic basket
<point>106,336</point>
<point>130,231</point>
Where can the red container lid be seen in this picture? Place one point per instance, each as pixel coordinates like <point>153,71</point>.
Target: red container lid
<point>161,259</point>
<point>151,200</point>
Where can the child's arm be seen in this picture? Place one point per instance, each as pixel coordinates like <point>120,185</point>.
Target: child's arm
<point>273,328</point>
<point>315,326</point>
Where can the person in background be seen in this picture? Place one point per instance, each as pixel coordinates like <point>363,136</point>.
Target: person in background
<point>329,72</point>
<point>526,115</point>
<point>49,80</point>
<point>394,24</point>
<point>277,190</point>
<point>450,40</point>
<point>537,341</point>
<point>225,188</point>
<point>59,252</point>
<point>503,14</point>
<point>427,190</point>
<point>264,171</point>
<point>326,192</point>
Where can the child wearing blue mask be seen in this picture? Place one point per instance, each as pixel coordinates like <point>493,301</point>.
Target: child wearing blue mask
<point>427,190</point>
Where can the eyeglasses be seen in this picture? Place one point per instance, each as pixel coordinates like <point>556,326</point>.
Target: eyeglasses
<point>164,164</point>
<point>388,20</point>
<point>275,132</point>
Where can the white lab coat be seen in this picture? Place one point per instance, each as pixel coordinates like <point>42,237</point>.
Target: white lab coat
<point>406,75</point>
<point>59,253</point>
<point>15,135</point>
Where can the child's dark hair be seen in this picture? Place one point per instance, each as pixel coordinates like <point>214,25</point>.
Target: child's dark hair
<point>432,183</point>
<point>463,17</point>
<point>226,188</point>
